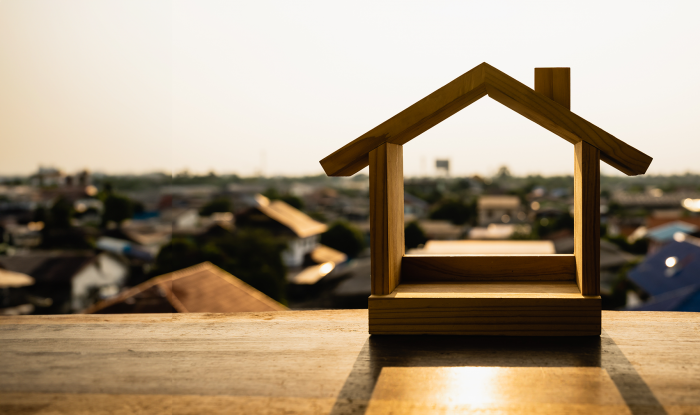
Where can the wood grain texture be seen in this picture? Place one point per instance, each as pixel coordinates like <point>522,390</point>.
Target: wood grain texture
<point>434,268</point>
<point>321,362</point>
<point>519,309</point>
<point>463,91</point>
<point>587,218</point>
<point>555,84</point>
<point>386,216</point>
<point>494,309</point>
<point>478,390</point>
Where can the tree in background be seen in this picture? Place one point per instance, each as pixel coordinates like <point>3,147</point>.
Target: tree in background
<point>456,211</point>
<point>60,214</point>
<point>414,235</point>
<point>58,233</point>
<point>217,205</point>
<point>252,255</point>
<point>117,209</point>
<point>273,194</point>
<point>345,238</point>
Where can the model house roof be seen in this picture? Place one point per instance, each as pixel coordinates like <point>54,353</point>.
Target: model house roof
<point>484,80</point>
<point>203,288</point>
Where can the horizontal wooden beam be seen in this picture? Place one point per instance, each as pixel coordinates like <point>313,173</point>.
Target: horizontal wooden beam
<point>467,89</point>
<point>494,309</point>
<point>454,268</point>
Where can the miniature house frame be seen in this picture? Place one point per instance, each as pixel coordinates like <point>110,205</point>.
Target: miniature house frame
<point>485,294</point>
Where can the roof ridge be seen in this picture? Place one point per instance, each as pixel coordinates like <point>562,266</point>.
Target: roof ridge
<point>248,289</point>
<point>466,89</point>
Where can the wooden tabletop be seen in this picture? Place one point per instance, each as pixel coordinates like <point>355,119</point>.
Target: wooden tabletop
<point>324,362</point>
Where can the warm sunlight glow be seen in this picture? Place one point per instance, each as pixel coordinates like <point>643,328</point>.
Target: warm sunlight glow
<point>35,226</point>
<point>692,205</point>
<point>90,190</point>
<point>535,205</point>
<point>326,268</point>
<point>487,389</point>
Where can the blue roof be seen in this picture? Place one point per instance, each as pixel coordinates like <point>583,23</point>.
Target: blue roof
<point>146,215</point>
<point>664,233</point>
<point>684,299</point>
<point>656,278</point>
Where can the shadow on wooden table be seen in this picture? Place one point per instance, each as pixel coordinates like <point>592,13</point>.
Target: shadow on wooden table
<point>381,352</point>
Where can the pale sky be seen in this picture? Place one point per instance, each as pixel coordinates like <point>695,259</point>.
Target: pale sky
<point>249,86</point>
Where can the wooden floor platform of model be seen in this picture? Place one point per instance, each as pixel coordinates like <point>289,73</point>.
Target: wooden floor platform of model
<point>546,295</point>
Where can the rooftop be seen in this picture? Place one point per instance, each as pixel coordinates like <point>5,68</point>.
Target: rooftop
<point>203,288</point>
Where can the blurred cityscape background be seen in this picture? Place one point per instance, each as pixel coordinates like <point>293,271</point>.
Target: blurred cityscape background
<point>233,104</point>
<point>82,242</point>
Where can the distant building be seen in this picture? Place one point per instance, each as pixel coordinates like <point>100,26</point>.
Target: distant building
<point>48,177</point>
<point>203,288</point>
<point>498,209</point>
<point>13,297</point>
<point>187,196</point>
<point>243,195</point>
<point>180,218</point>
<point>414,207</point>
<point>671,276</point>
<point>495,231</point>
<point>652,199</point>
<point>72,280</point>
<point>442,229</point>
<point>318,263</point>
<point>301,231</point>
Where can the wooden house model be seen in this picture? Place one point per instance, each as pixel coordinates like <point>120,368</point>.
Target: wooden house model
<point>485,294</point>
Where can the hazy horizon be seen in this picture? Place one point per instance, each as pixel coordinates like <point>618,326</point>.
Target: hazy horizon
<point>131,87</point>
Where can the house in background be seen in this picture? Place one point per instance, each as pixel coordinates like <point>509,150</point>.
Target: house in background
<point>498,209</point>
<point>496,231</point>
<point>73,281</point>
<point>301,232</point>
<point>13,298</point>
<point>671,276</point>
<point>441,229</point>
<point>203,288</point>
<point>414,207</point>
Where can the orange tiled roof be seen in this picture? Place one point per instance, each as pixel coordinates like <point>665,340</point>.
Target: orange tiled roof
<point>299,222</point>
<point>203,288</point>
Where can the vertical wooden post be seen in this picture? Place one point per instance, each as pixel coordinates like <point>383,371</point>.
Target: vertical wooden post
<point>587,217</point>
<point>386,216</point>
<point>555,83</point>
